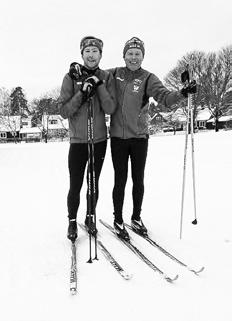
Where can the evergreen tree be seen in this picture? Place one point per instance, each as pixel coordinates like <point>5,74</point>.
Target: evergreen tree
<point>18,105</point>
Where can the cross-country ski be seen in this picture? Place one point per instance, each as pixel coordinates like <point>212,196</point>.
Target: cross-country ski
<point>109,257</point>
<point>171,256</point>
<point>135,250</point>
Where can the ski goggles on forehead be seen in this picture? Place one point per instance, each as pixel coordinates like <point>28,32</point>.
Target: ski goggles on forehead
<point>92,42</point>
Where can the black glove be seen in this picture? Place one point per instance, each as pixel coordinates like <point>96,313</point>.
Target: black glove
<point>95,81</point>
<point>191,88</point>
<point>90,85</point>
<point>75,70</point>
<point>185,76</point>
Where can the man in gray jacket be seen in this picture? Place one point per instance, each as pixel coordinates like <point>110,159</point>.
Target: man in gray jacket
<point>129,138</point>
<point>81,83</point>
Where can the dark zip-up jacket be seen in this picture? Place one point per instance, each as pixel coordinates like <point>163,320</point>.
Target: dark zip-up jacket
<point>133,89</point>
<point>71,106</point>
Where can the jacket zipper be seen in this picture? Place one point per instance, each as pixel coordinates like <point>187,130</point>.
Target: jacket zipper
<point>124,118</point>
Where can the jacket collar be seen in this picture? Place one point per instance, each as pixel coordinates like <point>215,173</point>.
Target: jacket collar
<point>89,72</point>
<point>132,74</point>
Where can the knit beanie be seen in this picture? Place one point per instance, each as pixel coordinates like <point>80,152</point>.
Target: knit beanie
<point>91,41</point>
<point>134,43</point>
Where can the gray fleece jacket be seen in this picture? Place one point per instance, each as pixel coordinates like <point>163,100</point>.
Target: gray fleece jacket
<point>70,106</point>
<point>132,91</point>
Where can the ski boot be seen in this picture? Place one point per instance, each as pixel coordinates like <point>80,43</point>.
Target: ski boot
<point>72,230</point>
<point>90,225</point>
<point>121,231</point>
<point>139,227</point>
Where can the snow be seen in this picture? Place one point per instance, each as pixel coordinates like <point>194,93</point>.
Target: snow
<point>36,256</point>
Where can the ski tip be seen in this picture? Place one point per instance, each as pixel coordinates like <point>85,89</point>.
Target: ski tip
<point>73,291</point>
<point>126,276</point>
<point>171,280</point>
<point>197,271</point>
<point>202,269</point>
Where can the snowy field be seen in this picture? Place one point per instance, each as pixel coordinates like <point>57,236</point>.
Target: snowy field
<point>36,256</point>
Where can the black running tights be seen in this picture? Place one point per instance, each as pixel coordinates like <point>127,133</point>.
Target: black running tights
<point>77,160</point>
<point>122,150</point>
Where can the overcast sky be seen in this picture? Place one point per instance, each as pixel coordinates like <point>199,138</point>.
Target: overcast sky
<point>39,39</point>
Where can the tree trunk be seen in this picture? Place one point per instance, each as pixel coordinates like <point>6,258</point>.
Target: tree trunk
<point>216,125</point>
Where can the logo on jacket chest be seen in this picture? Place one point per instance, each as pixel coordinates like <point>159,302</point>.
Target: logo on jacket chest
<point>136,85</point>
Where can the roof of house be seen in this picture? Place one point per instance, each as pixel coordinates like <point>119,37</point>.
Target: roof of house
<point>203,114</point>
<point>221,119</point>
<point>179,115</point>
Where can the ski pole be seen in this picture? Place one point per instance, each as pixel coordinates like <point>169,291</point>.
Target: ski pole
<point>184,170</point>
<point>89,189</point>
<point>185,77</point>
<point>91,177</point>
<point>193,166</point>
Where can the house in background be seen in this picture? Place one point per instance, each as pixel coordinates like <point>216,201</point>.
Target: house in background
<point>225,122</point>
<point>27,132</point>
<point>158,119</point>
<point>155,122</point>
<point>26,122</point>
<point>202,117</point>
<point>18,128</point>
<point>55,126</point>
<point>30,134</point>
<point>174,121</point>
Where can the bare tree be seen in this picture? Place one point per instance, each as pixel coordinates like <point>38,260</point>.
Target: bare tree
<point>228,101</point>
<point>212,73</point>
<point>53,93</point>
<point>217,81</point>
<point>195,60</point>
<point>10,124</point>
<point>43,108</point>
<point>4,101</point>
<point>7,122</point>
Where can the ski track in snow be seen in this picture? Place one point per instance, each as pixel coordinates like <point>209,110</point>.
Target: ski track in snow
<point>36,256</point>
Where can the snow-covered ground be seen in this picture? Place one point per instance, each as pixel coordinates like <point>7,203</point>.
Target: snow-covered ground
<point>36,256</point>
